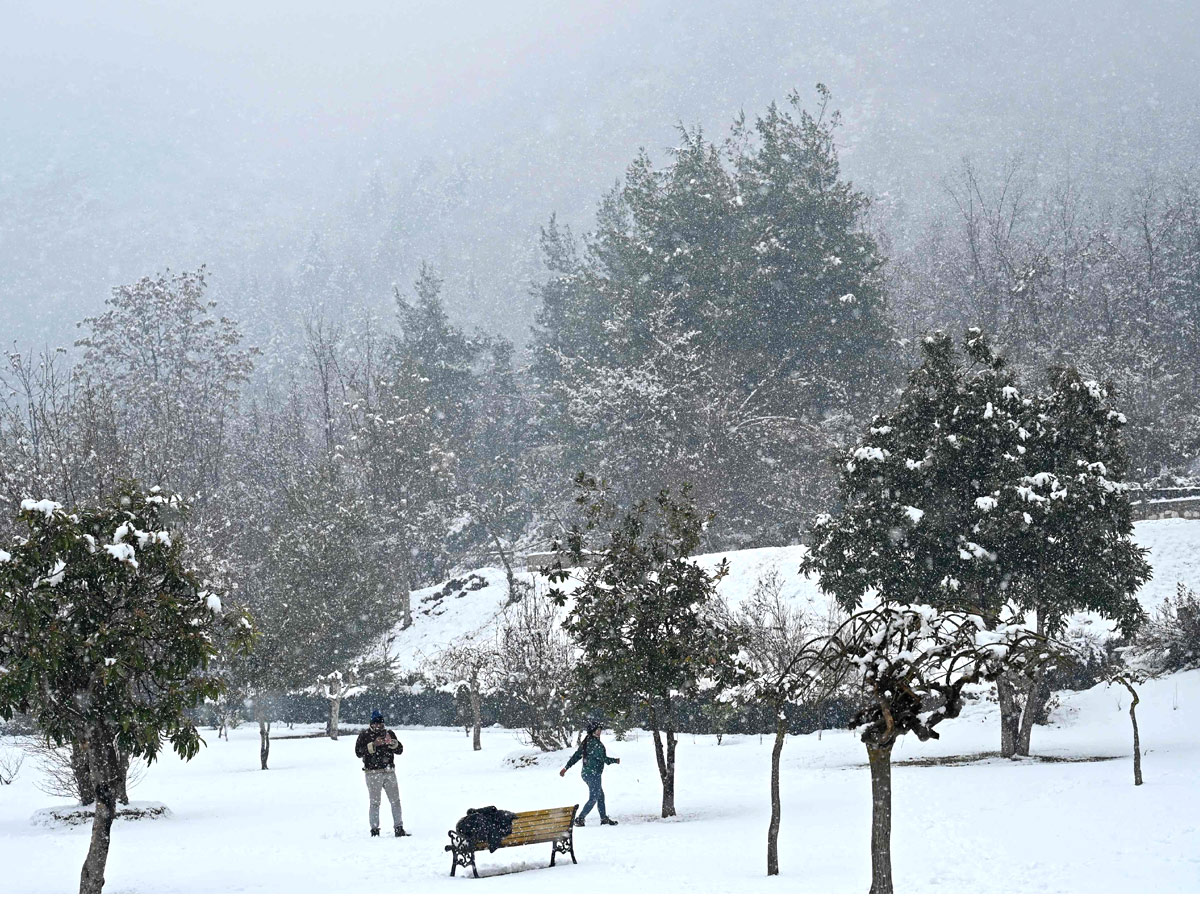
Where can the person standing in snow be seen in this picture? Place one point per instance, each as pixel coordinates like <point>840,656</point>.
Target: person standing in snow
<point>378,748</point>
<point>591,751</point>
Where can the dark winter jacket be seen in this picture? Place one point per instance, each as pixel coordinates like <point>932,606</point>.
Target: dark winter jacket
<point>486,825</point>
<point>594,758</point>
<point>381,756</point>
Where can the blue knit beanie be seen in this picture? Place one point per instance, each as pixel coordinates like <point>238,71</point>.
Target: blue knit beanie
<point>376,716</point>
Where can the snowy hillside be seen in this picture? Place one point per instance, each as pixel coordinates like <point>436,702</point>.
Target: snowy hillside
<point>441,617</point>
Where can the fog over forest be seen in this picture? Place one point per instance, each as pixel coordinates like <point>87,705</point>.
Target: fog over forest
<point>272,142</point>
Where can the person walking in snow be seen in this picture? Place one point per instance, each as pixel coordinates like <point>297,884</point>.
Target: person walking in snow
<point>378,748</point>
<point>591,751</point>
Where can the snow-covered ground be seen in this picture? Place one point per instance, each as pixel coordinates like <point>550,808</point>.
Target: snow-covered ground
<point>986,826</point>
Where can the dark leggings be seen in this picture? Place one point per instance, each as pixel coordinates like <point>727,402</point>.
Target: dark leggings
<point>595,796</point>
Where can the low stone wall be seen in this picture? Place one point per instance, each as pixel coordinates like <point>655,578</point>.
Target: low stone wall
<point>1167,509</point>
<point>1166,503</point>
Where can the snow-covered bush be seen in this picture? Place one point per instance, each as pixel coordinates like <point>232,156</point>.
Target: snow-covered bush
<point>1170,641</point>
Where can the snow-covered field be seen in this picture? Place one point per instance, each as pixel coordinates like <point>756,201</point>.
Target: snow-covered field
<point>987,826</point>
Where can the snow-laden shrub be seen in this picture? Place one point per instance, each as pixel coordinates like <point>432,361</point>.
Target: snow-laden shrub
<point>1170,640</point>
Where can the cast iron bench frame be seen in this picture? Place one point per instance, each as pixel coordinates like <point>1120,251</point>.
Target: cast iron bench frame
<point>539,826</point>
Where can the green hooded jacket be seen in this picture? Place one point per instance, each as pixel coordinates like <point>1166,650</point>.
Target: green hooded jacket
<point>591,751</point>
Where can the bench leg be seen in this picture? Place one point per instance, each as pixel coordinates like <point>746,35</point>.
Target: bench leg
<point>571,836</point>
<point>462,853</point>
<point>564,845</point>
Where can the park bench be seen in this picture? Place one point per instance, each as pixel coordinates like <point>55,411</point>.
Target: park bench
<point>539,826</point>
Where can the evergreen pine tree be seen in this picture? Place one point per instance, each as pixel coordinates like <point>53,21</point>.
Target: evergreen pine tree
<point>724,320</point>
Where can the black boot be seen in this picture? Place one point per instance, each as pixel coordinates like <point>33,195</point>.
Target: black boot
<point>374,832</point>
<point>400,832</point>
<point>607,821</point>
<point>579,823</point>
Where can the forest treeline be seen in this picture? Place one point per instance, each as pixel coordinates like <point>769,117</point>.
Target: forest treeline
<point>732,321</point>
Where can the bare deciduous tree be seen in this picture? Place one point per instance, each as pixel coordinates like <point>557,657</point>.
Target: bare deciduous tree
<point>470,664</point>
<point>784,650</point>
<point>913,664</point>
<point>10,766</point>
<point>532,667</point>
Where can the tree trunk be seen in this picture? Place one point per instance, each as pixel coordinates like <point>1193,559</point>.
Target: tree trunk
<point>776,809</point>
<point>1010,717</point>
<point>1137,744</point>
<point>122,780</point>
<point>405,599</point>
<point>476,716</point>
<point>81,768</point>
<point>506,561</point>
<point>1035,705</point>
<point>665,757</point>
<point>264,740</point>
<point>105,773</point>
<point>335,708</point>
<point>880,759</point>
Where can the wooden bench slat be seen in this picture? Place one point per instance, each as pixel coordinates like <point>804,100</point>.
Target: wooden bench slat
<point>547,822</point>
<point>541,833</point>
<point>529,832</point>
<point>538,832</point>
<point>565,817</point>
<point>538,812</point>
<point>522,842</point>
<point>562,821</point>
<point>543,823</point>
<point>550,824</point>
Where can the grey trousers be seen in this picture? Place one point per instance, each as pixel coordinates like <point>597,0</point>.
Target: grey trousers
<point>384,780</point>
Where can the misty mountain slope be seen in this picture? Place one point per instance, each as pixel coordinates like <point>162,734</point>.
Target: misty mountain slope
<point>243,136</point>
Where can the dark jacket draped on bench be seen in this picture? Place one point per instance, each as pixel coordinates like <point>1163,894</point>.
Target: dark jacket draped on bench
<point>486,825</point>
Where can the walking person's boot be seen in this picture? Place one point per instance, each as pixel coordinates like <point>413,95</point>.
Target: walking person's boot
<point>607,821</point>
